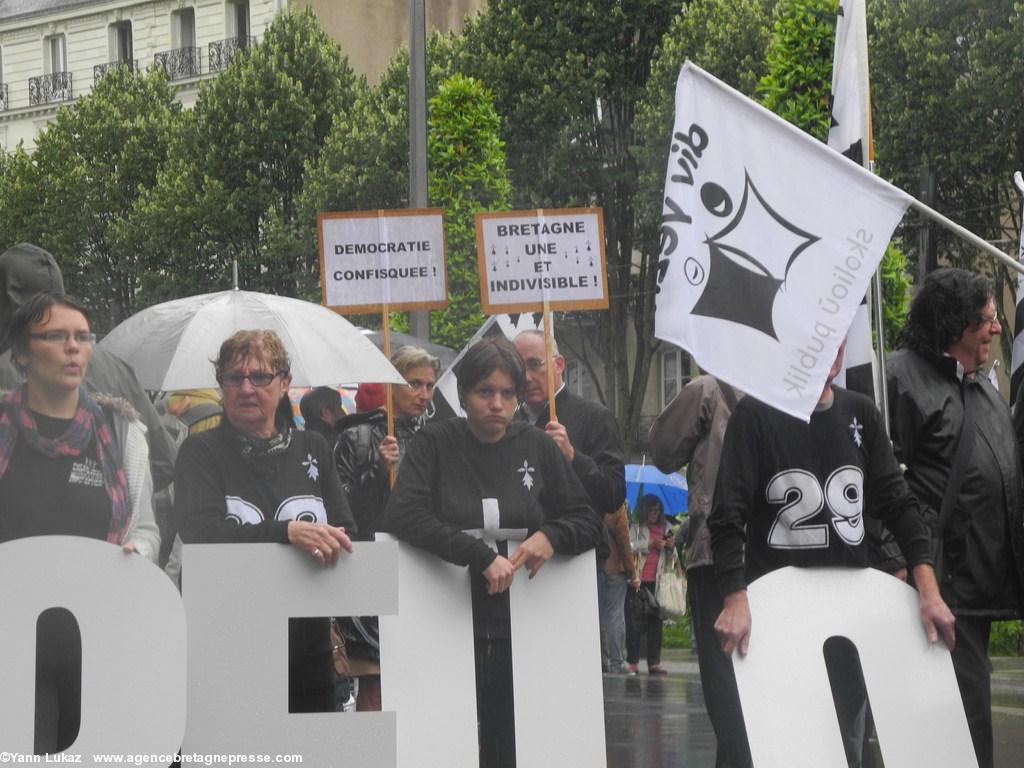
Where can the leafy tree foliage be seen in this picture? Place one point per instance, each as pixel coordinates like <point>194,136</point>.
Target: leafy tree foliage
<point>75,194</point>
<point>946,89</point>
<point>232,188</point>
<point>728,38</point>
<point>467,173</point>
<point>799,60</point>
<point>567,79</point>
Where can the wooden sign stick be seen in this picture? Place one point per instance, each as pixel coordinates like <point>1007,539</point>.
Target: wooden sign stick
<point>388,394</point>
<point>549,349</point>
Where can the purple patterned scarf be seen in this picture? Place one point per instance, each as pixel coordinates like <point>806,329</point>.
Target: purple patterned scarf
<point>89,425</point>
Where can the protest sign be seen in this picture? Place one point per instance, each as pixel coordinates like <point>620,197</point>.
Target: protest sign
<point>238,599</point>
<point>370,260</point>
<point>527,258</point>
<point>784,687</point>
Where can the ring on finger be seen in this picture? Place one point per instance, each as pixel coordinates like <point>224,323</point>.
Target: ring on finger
<point>316,552</point>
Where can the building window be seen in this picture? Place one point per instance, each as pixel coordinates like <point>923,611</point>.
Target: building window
<point>121,43</point>
<point>237,21</point>
<point>54,55</point>
<point>183,28</point>
<point>675,372</point>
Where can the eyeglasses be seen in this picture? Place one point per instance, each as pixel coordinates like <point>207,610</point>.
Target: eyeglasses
<point>418,384</point>
<point>84,338</point>
<point>989,321</point>
<point>258,379</point>
<point>535,363</point>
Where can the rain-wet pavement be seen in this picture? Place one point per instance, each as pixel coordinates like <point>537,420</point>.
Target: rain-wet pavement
<point>660,722</point>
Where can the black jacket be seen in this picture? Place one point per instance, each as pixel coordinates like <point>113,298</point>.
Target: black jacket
<point>983,542</point>
<point>363,477</point>
<point>598,462</point>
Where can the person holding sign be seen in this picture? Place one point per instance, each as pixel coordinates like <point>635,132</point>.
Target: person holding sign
<point>584,431</point>
<point>790,493</point>
<point>467,486</point>
<point>255,479</point>
<point>73,464</point>
<point>363,453</point>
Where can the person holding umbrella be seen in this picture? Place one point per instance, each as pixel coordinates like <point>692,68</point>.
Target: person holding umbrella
<point>71,463</point>
<point>255,479</point>
<point>649,536</point>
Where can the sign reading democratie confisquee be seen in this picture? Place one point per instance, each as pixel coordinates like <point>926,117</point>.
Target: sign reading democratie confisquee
<point>529,257</point>
<point>375,259</point>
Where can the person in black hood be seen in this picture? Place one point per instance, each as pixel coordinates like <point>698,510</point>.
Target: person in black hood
<point>466,486</point>
<point>26,271</point>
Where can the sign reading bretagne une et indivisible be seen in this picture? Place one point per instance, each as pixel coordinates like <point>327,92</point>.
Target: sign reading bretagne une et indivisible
<point>527,257</point>
<point>373,259</point>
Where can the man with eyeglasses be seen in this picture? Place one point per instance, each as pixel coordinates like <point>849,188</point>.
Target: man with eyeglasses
<point>25,271</point>
<point>953,432</point>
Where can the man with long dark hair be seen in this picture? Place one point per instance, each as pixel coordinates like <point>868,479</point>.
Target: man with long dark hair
<point>952,431</point>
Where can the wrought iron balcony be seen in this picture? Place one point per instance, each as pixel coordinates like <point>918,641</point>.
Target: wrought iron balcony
<point>49,88</point>
<point>100,70</point>
<point>179,63</point>
<point>3,97</point>
<point>222,51</point>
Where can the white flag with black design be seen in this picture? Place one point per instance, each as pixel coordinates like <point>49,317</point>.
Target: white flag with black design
<point>768,239</point>
<point>850,135</point>
<point>1017,358</point>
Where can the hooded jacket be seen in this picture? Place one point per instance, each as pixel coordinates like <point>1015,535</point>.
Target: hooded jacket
<point>25,271</point>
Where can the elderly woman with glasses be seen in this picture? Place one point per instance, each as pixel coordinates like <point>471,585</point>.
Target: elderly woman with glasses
<point>256,479</point>
<point>70,464</point>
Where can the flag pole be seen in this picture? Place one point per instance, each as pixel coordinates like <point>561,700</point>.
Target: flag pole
<point>965,234</point>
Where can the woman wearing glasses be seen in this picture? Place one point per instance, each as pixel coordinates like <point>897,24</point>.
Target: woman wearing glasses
<point>255,479</point>
<point>70,464</point>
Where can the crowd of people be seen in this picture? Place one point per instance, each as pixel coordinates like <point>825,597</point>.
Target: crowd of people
<point>526,473</point>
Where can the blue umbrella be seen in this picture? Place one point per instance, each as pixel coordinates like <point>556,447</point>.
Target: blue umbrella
<point>642,479</point>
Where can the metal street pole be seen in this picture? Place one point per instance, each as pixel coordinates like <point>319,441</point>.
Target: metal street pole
<point>419,320</point>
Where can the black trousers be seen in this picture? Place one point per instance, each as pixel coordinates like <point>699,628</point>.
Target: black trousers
<point>638,626</point>
<point>717,679</point>
<point>974,676</point>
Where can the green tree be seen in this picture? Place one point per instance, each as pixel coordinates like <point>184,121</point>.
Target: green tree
<point>364,163</point>
<point>467,174</point>
<point>946,89</point>
<point>75,194</point>
<point>728,38</point>
<point>799,61</point>
<point>567,79</point>
<point>232,188</point>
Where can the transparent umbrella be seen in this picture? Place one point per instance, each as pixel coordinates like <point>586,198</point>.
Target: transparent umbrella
<point>171,345</point>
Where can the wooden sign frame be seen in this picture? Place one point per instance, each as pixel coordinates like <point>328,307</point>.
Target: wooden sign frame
<point>489,308</point>
<point>398,306</point>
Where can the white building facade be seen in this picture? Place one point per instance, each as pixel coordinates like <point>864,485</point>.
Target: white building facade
<point>52,51</point>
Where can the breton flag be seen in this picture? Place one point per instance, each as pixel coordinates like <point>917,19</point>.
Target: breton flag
<point>850,135</point>
<point>769,240</point>
<point>1017,358</point>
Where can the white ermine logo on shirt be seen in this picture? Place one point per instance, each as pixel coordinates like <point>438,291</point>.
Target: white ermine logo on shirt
<point>312,470</point>
<point>855,429</point>
<point>527,471</point>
